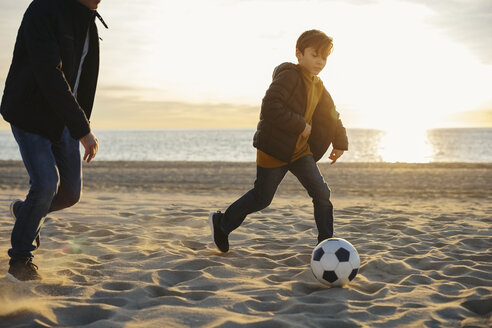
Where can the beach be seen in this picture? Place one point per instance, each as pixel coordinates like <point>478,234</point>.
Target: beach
<point>136,251</point>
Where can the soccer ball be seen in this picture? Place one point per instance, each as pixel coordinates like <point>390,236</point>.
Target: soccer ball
<point>335,262</point>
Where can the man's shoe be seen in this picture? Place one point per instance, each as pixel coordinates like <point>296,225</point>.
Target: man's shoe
<point>14,207</point>
<point>219,237</point>
<point>23,270</point>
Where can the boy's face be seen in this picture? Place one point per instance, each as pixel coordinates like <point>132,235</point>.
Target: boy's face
<point>311,60</point>
<point>91,4</point>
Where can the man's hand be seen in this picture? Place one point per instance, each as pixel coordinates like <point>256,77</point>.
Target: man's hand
<point>335,154</point>
<point>90,144</point>
<point>307,131</point>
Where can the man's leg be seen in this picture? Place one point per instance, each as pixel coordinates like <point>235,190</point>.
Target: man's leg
<point>258,198</point>
<point>67,157</point>
<point>41,166</point>
<point>308,174</point>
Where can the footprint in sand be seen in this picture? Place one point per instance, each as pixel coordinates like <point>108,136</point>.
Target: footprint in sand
<point>382,310</point>
<point>107,257</point>
<point>157,291</point>
<point>263,306</point>
<point>480,307</point>
<point>114,301</point>
<point>74,276</point>
<point>194,245</point>
<point>81,315</point>
<point>79,228</point>
<point>56,290</point>
<point>413,306</point>
<point>171,277</point>
<point>87,261</point>
<point>198,264</point>
<point>118,286</point>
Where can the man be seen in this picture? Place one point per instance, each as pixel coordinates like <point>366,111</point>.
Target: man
<point>48,98</point>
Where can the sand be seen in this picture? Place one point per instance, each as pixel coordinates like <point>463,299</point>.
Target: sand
<point>137,252</point>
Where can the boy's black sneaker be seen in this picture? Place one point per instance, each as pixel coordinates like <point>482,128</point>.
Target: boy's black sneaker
<point>14,207</point>
<point>23,270</point>
<point>219,237</point>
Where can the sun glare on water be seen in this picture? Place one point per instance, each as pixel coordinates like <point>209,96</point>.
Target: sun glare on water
<point>405,145</point>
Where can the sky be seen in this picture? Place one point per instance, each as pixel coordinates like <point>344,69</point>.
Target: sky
<point>396,64</point>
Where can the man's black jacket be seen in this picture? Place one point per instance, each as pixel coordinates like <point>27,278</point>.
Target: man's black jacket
<point>38,94</point>
<point>282,118</point>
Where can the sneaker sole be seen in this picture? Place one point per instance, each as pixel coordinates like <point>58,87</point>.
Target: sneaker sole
<point>12,278</point>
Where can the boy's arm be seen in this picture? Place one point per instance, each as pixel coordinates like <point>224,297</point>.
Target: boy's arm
<point>44,55</point>
<point>273,107</point>
<point>340,141</point>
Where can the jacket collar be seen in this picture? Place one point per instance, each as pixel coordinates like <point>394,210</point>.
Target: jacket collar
<point>285,66</point>
<point>80,9</point>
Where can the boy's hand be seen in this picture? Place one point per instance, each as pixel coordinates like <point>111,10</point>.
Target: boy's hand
<point>307,131</point>
<point>91,146</point>
<point>335,154</point>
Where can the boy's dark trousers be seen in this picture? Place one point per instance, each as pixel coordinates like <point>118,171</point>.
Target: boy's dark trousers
<point>267,181</point>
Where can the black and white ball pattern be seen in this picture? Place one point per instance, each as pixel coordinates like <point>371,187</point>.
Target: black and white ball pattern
<point>335,262</point>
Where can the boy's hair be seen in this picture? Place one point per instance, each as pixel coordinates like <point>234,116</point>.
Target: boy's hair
<point>316,39</point>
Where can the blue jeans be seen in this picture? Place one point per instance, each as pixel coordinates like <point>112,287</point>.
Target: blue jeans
<point>55,174</point>
<point>267,181</point>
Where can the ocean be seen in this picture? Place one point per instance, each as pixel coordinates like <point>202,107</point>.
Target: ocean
<point>235,145</point>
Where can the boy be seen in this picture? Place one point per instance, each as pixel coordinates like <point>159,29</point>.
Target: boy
<point>48,99</point>
<point>298,122</point>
